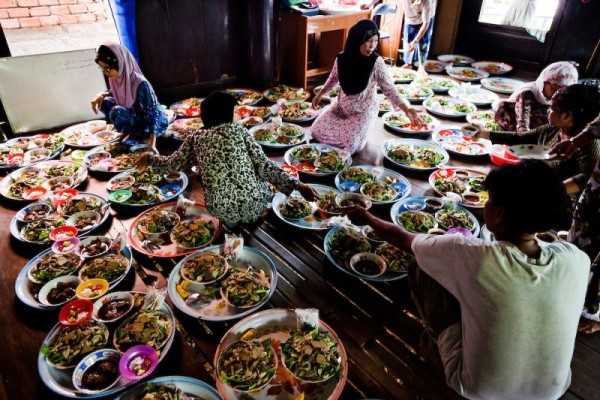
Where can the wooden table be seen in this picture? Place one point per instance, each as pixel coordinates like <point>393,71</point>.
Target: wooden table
<point>376,322</point>
<point>293,36</point>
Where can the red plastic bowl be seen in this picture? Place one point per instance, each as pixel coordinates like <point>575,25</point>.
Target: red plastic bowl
<point>63,232</point>
<point>76,312</point>
<point>500,156</point>
<point>34,193</point>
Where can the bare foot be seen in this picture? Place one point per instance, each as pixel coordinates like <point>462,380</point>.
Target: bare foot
<point>587,326</point>
<point>407,66</point>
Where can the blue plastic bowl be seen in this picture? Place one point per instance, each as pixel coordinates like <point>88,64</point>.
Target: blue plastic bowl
<point>414,205</point>
<point>400,187</point>
<point>349,186</point>
<point>170,190</point>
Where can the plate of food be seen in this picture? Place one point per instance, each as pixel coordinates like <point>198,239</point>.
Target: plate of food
<point>300,111</point>
<point>171,387</point>
<point>33,149</point>
<point>278,136</point>
<point>158,327</point>
<point>398,121</point>
<point>415,154</point>
<point>317,159</point>
<point>402,75</point>
<point>453,140</point>
<point>414,93</point>
<point>182,128</point>
<point>243,114</point>
<point>448,107</point>
<point>531,152</point>
<point>246,285</point>
<point>501,85</point>
<point>493,67</point>
<point>468,183</point>
<point>455,59</point>
<point>435,66</point>
<point>423,220</point>
<point>196,229</point>
<point>436,83</point>
<point>384,105</point>
<point>74,133</point>
<point>331,95</point>
<point>37,231</point>
<point>485,119</point>
<point>275,327</point>
<point>381,185</point>
<point>148,188</point>
<point>188,107</point>
<point>344,242</point>
<point>246,97</point>
<point>285,92</point>
<point>299,212</point>
<point>466,74</point>
<point>475,95</point>
<point>122,156</point>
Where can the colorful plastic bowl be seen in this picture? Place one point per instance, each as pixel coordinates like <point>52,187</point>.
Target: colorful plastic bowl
<point>34,193</point>
<point>92,289</point>
<point>349,186</point>
<point>76,312</point>
<point>107,371</point>
<point>65,246</point>
<point>170,190</point>
<point>120,196</point>
<point>63,232</point>
<point>400,188</point>
<point>138,362</point>
<point>500,156</point>
<point>414,205</point>
<point>460,231</point>
<point>78,155</point>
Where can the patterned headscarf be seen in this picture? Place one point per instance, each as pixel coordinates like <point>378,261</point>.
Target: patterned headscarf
<point>559,73</point>
<point>354,69</point>
<point>124,87</point>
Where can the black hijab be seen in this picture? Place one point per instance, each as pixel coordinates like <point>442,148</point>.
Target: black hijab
<point>354,69</point>
<point>217,109</point>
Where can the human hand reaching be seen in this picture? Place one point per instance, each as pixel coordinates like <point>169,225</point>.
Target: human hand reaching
<point>308,192</point>
<point>357,215</point>
<point>316,100</point>
<point>414,116</point>
<point>142,163</point>
<point>97,103</point>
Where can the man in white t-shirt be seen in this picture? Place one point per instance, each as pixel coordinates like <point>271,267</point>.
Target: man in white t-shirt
<point>504,313</point>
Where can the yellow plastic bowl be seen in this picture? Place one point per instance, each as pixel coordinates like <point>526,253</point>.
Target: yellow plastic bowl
<point>92,288</point>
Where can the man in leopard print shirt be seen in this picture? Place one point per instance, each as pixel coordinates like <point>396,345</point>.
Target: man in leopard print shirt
<point>233,168</point>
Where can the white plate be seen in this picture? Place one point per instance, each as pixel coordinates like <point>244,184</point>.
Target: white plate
<point>402,75</point>
<point>307,167</point>
<point>455,142</point>
<point>415,144</point>
<point>189,386</point>
<point>501,85</point>
<point>180,107</point>
<point>455,59</point>
<point>443,106</point>
<point>438,84</point>
<point>383,173</point>
<point>301,94</point>
<point>276,324</point>
<point>466,74</point>
<point>475,95</point>
<point>430,126</point>
<point>274,144</point>
<point>313,221</point>
<point>493,67</point>
<point>181,128</point>
<point>26,291</point>
<point>60,381</point>
<point>216,308</point>
<point>332,95</point>
<point>74,133</point>
<point>409,92</point>
<point>531,151</point>
<point>309,113</point>
<point>435,66</point>
<point>247,102</point>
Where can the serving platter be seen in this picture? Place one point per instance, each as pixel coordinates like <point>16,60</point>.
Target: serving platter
<point>448,107</point>
<point>501,85</point>
<point>73,133</point>
<point>455,59</point>
<point>314,221</point>
<point>466,74</point>
<point>182,128</point>
<point>332,95</point>
<point>299,112</point>
<point>276,324</point>
<point>455,142</point>
<point>28,291</point>
<point>493,67</point>
<point>286,93</point>
<point>376,174</point>
<point>402,75</point>
<point>415,154</point>
<point>384,104</point>
<point>402,206</point>
<point>460,181</point>
<point>414,93</point>
<point>475,95</point>
<point>45,171</point>
<point>246,97</point>
<point>190,386</point>
<point>245,115</point>
<point>166,248</point>
<point>361,244</point>
<point>435,66</point>
<point>399,122</point>
<point>158,187</point>
<point>60,382</point>
<point>123,156</point>
<point>211,306</point>
<point>483,118</point>
<point>16,226</point>
<point>307,166</point>
<point>280,140</point>
<point>438,84</point>
<point>24,144</point>
<point>188,107</point>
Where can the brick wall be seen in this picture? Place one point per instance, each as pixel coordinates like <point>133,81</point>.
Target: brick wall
<point>15,14</point>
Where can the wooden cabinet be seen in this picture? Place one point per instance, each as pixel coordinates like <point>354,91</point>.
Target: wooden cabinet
<point>293,39</point>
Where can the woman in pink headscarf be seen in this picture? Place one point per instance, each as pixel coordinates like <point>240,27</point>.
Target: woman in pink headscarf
<point>131,103</point>
<point>527,108</point>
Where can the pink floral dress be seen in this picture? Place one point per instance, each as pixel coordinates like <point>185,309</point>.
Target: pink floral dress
<point>346,123</point>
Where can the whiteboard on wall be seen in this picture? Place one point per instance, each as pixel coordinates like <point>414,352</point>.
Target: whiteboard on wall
<point>44,91</point>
